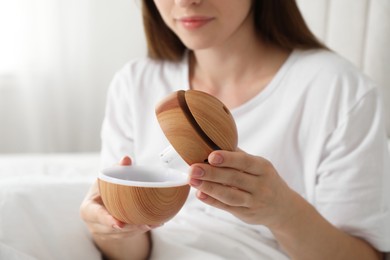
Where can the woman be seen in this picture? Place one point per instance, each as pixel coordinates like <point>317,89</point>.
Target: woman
<point>312,170</point>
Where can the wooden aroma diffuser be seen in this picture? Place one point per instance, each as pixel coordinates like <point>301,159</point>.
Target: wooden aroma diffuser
<point>196,123</point>
<point>143,194</point>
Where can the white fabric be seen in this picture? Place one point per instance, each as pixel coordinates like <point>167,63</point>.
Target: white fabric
<point>54,54</point>
<point>358,30</point>
<point>305,122</point>
<point>184,237</point>
<point>331,20</point>
<point>40,197</point>
<point>57,59</point>
<point>7,252</point>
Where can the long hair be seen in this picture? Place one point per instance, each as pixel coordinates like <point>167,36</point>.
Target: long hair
<point>277,22</point>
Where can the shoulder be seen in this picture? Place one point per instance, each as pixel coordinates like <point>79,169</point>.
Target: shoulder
<point>143,75</point>
<point>329,66</point>
<point>328,84</point>
<point>326,74</point>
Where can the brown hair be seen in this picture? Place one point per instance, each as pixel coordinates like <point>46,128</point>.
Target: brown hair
<point>276,21</point>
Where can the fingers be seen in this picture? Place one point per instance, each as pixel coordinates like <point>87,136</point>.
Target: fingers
<point>92,209</point>
<point>226,185</point>
<point>101,223</point>
<point>228,196</point>
<point>100,215</point>
<point>231,179</point>
<point>219,204</point>
<point>126,160</point>
<point>226,176</point>
<point>239,160</point>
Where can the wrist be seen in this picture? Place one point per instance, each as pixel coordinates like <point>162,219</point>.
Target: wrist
<point>296,211</point>
<point>130,247</point>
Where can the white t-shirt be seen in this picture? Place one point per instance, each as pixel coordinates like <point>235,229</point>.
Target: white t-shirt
<point>320,123</point>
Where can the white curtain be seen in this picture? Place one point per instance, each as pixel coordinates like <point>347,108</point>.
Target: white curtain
<point>56,61</point>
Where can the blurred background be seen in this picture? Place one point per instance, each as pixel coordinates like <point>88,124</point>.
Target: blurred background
<point>57,59</point>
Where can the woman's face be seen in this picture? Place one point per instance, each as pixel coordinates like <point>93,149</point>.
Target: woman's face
<point>202,24</point>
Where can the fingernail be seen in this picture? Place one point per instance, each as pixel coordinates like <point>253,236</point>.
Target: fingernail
<point>195,182</point>
<point>144,227</point>
<point>215,159</point>
<point>125,160</point>
<point>116,227</point>
<point>202,196</point>
<point>197,172</point>
<point>155,226</point>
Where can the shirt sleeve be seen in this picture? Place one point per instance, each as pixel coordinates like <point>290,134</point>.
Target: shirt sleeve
<point>352,183</point>
<point>117,129</point>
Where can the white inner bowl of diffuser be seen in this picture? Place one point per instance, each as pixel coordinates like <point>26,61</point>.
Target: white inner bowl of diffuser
<point>144,176</point>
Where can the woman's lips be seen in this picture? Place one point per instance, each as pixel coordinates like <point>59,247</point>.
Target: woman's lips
<point>194,22</point>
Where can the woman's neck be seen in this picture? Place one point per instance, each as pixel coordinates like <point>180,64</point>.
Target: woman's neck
<point>236,72</point>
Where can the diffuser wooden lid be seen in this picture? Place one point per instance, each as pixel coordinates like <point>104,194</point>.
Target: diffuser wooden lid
<point>196,123</point>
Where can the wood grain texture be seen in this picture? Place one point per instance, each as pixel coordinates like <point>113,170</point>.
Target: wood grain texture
<point>209,114</point>
<point>214,118</point>
<point>142,205</point>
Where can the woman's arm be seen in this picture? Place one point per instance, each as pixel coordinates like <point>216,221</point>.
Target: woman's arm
<point>250,188</point>
<point>124,248</point>
<point>307,235</point>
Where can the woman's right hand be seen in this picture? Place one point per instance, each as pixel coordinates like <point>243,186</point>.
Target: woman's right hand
<point>109,233</point>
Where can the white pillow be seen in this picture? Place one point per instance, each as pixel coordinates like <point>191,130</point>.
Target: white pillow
<point>39,210</point>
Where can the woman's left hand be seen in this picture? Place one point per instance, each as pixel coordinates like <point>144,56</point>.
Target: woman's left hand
<point>247,186</point>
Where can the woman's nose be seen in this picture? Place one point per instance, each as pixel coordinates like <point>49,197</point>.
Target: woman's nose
<point>184,3</point>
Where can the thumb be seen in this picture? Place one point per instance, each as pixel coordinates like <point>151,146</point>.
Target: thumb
<point>126,160</point>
